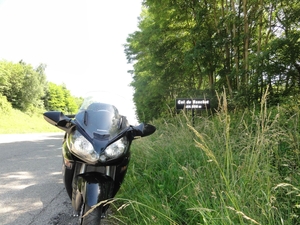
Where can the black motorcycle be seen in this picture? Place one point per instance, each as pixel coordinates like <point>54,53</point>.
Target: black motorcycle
<point>96,153</point>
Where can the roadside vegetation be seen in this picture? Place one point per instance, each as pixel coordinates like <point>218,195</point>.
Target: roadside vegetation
<point>25,94</point>
<point>230,168</point>
<point>14,121</point>
<point>26,88</point>
<point>240,162</point>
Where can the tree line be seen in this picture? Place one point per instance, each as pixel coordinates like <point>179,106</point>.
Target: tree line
<point>27,89</point>
<point>199,48</point>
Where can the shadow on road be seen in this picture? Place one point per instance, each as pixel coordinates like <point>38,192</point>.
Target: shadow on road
<point>31,187</point>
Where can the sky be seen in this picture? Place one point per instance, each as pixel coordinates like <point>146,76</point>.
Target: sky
<point>80,41</point>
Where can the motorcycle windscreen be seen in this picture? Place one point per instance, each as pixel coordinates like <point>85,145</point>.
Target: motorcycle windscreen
<point>100,121</point>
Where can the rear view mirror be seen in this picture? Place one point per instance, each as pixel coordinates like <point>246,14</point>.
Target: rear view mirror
<point>148,130</point>
<point>143,130</point>
<point>53,117</point>
<point>58,119</point>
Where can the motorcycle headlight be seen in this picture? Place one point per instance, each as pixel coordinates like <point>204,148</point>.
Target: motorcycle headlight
<point>82,147</point>
<point>114,150</point>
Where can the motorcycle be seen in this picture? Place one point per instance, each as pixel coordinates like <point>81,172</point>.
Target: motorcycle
<point>96,153</point>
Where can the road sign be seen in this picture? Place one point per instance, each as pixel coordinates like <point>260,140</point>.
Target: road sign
<point>189,103</point>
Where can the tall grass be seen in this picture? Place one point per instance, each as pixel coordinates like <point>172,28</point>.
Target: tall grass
<point>231,168</point>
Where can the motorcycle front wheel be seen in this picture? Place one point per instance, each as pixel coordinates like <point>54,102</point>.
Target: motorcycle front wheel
<point>92,218</point>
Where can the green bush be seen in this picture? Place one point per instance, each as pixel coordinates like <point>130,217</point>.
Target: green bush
<point>5,106</point>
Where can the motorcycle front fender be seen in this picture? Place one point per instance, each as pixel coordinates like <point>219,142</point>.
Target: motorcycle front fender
<point>96,188</point>
<point>92,192</point>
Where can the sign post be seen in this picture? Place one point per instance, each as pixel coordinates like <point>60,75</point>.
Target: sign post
<point>192,104</point>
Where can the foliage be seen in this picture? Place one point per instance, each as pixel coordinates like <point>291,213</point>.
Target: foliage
<point>58,98</point>
<point>197,48</point>
<point>26,89</point>
<point>22,85</point>
<point>232,168</point>
<point>5,106</point>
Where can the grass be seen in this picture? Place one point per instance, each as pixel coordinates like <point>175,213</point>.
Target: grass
<point>232,168</point>
<point>16,122</point>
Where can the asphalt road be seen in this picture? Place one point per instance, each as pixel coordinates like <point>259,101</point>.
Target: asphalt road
<point>31,186</point>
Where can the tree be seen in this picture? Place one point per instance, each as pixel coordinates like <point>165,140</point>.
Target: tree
<point>58,98</point>
<point>197,48</point>
<point>22,85</point>
<point>55,98</point>
<point>4,76</point>
<point>71,105</point>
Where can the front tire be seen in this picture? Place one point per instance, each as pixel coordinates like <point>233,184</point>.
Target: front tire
<point>93,218</point>
<point>95,193</point>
